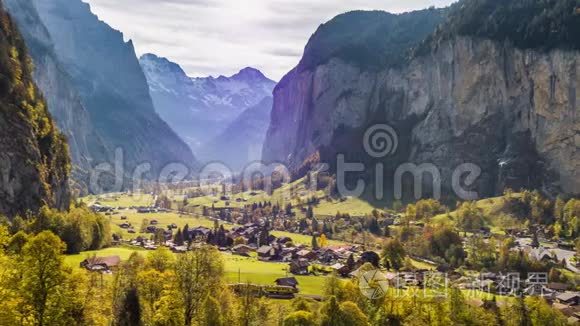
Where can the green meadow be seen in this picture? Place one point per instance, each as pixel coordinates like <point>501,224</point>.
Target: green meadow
<point>236,268</point>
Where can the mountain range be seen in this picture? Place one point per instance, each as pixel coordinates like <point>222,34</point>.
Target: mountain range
<point>209,112</point>
<point>464,84</point>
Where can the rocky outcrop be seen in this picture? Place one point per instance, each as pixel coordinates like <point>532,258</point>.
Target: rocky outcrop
<point>200,109</point>
<point>513,112</point>
<point>34,162</point>
<point>108,82</point>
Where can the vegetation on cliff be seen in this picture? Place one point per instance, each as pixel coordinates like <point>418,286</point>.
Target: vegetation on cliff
<point>34,151</point>
<point>380,39</point>
<point>533,24</point>
<point>370,39</point>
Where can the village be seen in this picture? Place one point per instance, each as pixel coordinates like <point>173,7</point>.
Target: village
<point>256,240</point>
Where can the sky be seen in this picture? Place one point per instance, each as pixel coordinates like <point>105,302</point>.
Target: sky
<point>220,37</point>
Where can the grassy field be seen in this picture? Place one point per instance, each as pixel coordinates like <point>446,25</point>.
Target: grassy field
<point>287,193</point>
<point>491,209</point>
<point>123,252</point>
<point>352,206</point>
<point>168,218</point>
<point>250,270</point>
<point>164,219</point>
<point>236,268</point>
<point>121,200</point>
<point>422,265</point>
<point>295,193</point>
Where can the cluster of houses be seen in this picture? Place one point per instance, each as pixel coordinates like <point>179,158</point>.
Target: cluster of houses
<point>559,255</point>
<point>568,303</point>
<point>151,228</point>
<point>99,208</point>
<point>560,295</point>
<point>149,210</point>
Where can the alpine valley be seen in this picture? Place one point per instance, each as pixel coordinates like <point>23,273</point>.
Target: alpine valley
<point>480,97</point>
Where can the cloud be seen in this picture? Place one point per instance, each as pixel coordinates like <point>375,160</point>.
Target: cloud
<point>285,52</point>
<point>218,37</point>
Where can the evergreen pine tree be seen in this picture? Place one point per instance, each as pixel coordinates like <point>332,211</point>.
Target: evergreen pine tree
<point>178,238</point>
<point>314,242</point>
<point>129,311</point>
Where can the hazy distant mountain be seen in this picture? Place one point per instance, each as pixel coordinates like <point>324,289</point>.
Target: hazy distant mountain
<point>199,109</point>
<point>241,142</point>
<point>101,71</point>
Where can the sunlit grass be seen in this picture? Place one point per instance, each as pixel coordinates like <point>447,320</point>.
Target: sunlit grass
<point>163,219</point>
<point>236,268</point>
<point>491,209</point>
<point>250,270</point>
<point>123,252</point>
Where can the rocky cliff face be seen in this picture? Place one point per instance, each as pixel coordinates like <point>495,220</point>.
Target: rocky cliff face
<point>513,112</point>
<point>200,109</point>
<point>64,103</point>
<point>34,163</point>
<point>110,85</point>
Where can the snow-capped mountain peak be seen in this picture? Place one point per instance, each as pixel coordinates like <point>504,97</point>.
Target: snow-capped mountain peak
<point>200,108</point>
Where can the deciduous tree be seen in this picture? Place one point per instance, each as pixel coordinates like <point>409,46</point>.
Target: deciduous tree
<point>393,254</point>
<point>198,272</point>
<point>43,277</point>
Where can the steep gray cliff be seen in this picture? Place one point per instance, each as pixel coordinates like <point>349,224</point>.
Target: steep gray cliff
<point>34,158</point>
<point>64,104</point>
<point>513,112</point>
<point>108,82</point>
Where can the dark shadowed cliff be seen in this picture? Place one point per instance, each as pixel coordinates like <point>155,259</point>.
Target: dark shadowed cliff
<point>34,162</point>
<point>64,102</point>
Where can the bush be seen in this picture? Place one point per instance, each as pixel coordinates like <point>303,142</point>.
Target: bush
<point>80,228</point>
